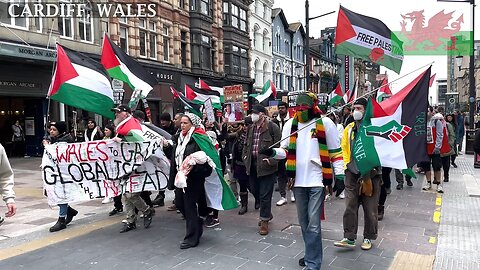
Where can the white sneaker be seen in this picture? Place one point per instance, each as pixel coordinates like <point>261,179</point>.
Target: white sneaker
<point>328,197</point>
<point>439,188</point>
<point>427,186</point>
<point>342,195</point>
<point>107,200</point>
<point>292,198</point>
<point>124,221</point>
<point>282,201</point>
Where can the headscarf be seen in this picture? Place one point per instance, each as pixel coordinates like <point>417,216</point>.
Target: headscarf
<point>184,138</point>
<point>196,121</point>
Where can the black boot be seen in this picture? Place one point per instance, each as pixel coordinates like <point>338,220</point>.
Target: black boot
<point>160,199</point>
<point>60,225</point>
<point>70,214</point>
<point>381,212</point>
<point>244,201</point>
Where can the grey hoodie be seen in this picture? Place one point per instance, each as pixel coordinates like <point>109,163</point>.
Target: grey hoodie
<point>437,122</point>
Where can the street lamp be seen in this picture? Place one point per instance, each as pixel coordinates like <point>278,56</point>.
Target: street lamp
<point>307,40</point>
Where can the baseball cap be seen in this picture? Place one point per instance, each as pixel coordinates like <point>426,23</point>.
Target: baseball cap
<point>258,108</point>
<point>122,108</point>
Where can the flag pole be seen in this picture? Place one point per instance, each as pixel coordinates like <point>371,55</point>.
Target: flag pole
<point>47,118</point>
<point>341,107</point>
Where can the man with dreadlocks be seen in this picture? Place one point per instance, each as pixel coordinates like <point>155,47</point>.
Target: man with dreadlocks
<point>310,167</point>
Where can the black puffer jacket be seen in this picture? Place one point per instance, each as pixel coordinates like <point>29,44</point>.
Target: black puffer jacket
<point>198,172</point>
<point>65,137</point>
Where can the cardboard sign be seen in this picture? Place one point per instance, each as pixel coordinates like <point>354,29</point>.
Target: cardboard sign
<point>233,93</point>
<point>209,110</point>
<point>74,172</point>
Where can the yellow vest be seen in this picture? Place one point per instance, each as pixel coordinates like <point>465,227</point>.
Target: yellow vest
<point>347,138</point>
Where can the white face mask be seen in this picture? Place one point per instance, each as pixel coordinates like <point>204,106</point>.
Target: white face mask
<point>255,117</point>
<point>357,115</point>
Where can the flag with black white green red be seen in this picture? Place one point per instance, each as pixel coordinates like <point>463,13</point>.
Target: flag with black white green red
<point>268,90</point>
<point>351,95</point>
<point>81,82</point>
<point>336,95</point>
<point>122,67</point>
<point>393,132</point>
<point>384,91</point>
<point>191,107</point>
<point>199,96</point>
<point>217,190</point>
<point>367,38</point>
<point>202,84</point>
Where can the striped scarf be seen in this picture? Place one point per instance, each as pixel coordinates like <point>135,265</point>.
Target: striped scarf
<point>322,145</point>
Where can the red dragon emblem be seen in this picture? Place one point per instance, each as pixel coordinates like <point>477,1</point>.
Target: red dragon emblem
<point>376,55</point>
<point>438,28</point>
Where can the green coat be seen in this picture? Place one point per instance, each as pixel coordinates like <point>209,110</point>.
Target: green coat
<point>451,140</point>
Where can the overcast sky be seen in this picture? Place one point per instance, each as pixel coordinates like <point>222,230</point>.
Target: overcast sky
<point>390,13</point>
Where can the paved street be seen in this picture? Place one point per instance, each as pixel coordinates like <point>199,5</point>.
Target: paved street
<point>420,230</point>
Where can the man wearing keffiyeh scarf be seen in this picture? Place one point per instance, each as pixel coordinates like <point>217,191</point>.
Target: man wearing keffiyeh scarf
<point>310,169</point>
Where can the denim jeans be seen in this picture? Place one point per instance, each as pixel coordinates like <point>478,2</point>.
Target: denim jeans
<point>309,201</point>
<point>63,210</point>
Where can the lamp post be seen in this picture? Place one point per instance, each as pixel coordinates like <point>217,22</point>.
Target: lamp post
<point>307,41</point>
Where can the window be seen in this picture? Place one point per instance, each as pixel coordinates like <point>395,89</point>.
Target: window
<point>85,23</point>
<point>244,62</point>
<point>65,25</point>
<point>143,38</point>
<point>17,22</point>
<point>181,4</point>
<point>265,12</point>
<point>237,60</point>
<point>225,13</point>
<point>287,82</point>
<point>201,51</point>
<point>256,72</point>
<point>239,18</point>
<point>38,20</point>
<point>152,41</point>
<point>287,48</point>
<point>166,45</point>
<point>124,39</point>
<point>205,7</point>
<point>183,47</point>
<point>265,71</point>
<point>277,42</point>
<point>265,41</point>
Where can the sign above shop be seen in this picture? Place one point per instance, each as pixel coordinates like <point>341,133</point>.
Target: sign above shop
<point>29,52</point>
<point>19,85</point>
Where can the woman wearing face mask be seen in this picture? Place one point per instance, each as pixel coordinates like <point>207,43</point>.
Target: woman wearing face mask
<point>58,133</point>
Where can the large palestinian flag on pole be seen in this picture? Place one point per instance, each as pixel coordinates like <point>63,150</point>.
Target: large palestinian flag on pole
<point>393,133</point>
<point>122,67</point>
<point>367,38</point>
<point>199,96</point>
<point>192,107</point>
<point>81,82</point>
<point>218,192</point>
<point>202,84</point>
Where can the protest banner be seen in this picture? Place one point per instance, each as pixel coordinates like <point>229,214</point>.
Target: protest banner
<point>234,109</point>
<point>209,110</point>
<point>74,172</point>
<point>292,102</point>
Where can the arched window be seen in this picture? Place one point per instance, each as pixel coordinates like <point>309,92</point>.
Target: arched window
<point>256,70</point>
<point>266,71</point>
<point>256,37</point>
<point>266,39</point>
<point>277,41</point>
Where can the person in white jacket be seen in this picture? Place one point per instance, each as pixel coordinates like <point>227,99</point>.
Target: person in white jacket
<point>6,184</point>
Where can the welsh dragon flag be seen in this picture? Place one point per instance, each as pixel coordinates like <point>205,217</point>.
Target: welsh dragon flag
<point>336,95</point>
<point>81,82</point>
<point>267,90</point>
<point>218,192</point>
<point>393,133</point>
<point>122,67</point>
<point>367,38</point>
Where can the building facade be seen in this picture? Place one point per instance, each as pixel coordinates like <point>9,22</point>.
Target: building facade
<point>288,64</point>
<point>261,42</point>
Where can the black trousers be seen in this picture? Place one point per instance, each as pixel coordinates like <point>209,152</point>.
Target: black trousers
<point>446,167</point>
<point>386,184</point>
<point>117,202</point>
<point>192,203</point>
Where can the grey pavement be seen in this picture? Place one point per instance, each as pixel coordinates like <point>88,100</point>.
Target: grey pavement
<point>235,244</point>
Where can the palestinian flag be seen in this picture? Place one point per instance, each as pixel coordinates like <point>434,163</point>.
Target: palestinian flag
<point>199,96</point>
<point>432,79</point>
<point>218,192</point>
<point>367,38</point>
<point>267,90</point>
<point>384,91</point>
<point>192,107</point>
<point>351,95</point>
<point>81,82</point>
<point>202,84</point>
<point>122,67</point>
<point>393,133</point>
<point>336,95</point>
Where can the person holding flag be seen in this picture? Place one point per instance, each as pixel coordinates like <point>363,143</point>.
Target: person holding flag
<point>313,156</point>
<point>359,189</point>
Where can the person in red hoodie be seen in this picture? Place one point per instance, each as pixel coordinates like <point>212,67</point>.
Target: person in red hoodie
<point>437,143</point>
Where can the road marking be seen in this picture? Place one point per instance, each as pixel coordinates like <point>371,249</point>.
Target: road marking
<point>57,237</point>
<point>438,201</point>
<point>437,213</point>
<point>432,240</point>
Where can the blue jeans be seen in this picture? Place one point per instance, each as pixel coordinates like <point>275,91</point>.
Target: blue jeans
<point>309,201</point>
<point>63,210</point>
